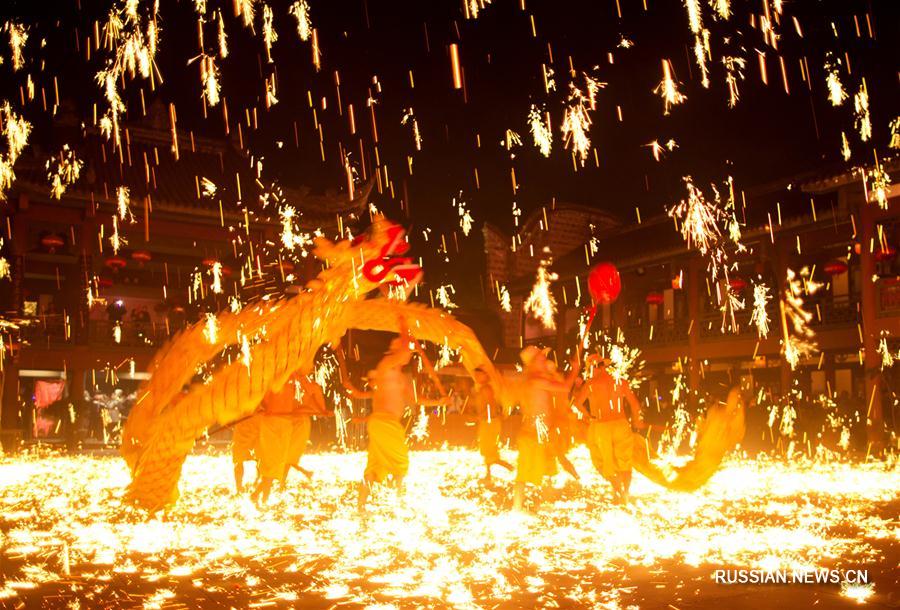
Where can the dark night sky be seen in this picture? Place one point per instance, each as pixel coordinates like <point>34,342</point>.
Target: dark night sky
<point>769,135</point>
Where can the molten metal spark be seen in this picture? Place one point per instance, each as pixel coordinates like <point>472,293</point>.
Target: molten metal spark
<point>63,171</point>
<point>540,131</point>
<point>410,118</point>
<point>861,108</point>
<point>123,202</point>
<point>116,240</point>
<point>503,297</point>
<point>836,93</point>
<point>576,124</point>
<point>541,303</point>
<point>300,10</point>
<point>209,78</point>
<point>270,36</point>
<point>760,314</point>
<point>16,130</point>
<point>667,89</point>
<point>216,271</point>
<point>211,328</point>
<point>798,337</point>
<point>734,72</point>
<point>18,35</point>
<point>878,183</point>
<point>698,219</point>
<point>442,295</point>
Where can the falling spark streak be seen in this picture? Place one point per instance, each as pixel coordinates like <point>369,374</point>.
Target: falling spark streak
<point>211,328</point>
<point>300,10</point>
<point>878,183</point>
<point>442,295</point>
<point>894,126</point>
<point>116,240</point>
<point>836,93</point>
<point>667,88</point>
<point>223,37</point>
<point>541,303</point>
<point>576,124</point>
<point>722,8</point>
<point>246,10</point>
<point>270,36</point>
<point>798,340</point>
<point>540,131</point>
<point>18,35</point>
<point>209,77</point>
<point>503,297</point>
<point>465,218</point>
<point>887,358</point>
<point>734,67</point>
<point>698,219</point>
<point>861,107</point>
<point>216,271</point>
<point>63,171</point>
<point>410,118</point>
<point>16,130</point>
<point>845,147</point>
<point>123,199</point>
<point>760,314</point>
<point>474,7</point>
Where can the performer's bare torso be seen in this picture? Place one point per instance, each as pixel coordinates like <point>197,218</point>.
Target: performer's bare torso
<point>391,391</point>
<point>606,397</point>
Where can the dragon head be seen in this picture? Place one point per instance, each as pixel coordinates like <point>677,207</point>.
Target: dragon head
<point>372,260</point>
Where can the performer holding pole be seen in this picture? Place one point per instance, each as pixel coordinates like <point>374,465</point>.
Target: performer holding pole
<point>610,438</point>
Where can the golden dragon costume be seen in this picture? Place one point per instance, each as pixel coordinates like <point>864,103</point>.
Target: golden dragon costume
<point>172,410</point>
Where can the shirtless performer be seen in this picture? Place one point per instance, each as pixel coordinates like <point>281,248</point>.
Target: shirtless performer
<point>490,418</point>
<point>537,455</point>
<point>392,391</point>
<point>610,438</point>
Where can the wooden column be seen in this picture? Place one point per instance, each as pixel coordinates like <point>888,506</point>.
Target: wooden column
<point>869,307</point>
<point>694,287</point>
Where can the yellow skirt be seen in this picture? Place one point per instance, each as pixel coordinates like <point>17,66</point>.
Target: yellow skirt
<point>302,425</point>
<point>488,440</point>
<point>612,446</point>
<point>280,437</point>
<point>245,439</point>
<point>388,454</point>
<point>536,459</point>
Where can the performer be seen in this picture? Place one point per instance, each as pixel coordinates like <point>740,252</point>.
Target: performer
<point>392,391</point>
<point>489,414</point>
<point>284,431</point>
<point>244,447</point>
<point>537,457</point>
<point>610,438</point>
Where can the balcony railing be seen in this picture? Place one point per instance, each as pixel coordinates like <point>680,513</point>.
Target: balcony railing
<point>51,330</point>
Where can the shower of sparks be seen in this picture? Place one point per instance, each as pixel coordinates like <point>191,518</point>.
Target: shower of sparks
<point>289,238</point>
<point>887,358</point>
<point>246,355</point>
<point>216,271</point>
<point>419,430</point>
<point>576,124</point>
<point>734,72</point>
<point>760,313</point>
<point>62,171</point>
<point>894,126</point>
<point>209,78</point>
<point>465,217</point>
<point>270,36</point>
<point>540,131</point>
<point>878,182</point>
<point>209,187</point>
<point>503,297</point>
<point>247,10</point>
<point>798,337</point>
<point>222,36</point>
<point>698,219</point>
<point>123,204</point>
<point>667,89</point>
<point>442,296</point>
<point>16,131</point>
<point>18,35</point>
<point>300,11</point>
<point>796,515</point>
<point>541,303</point>
<point>409,117</point>
<point>625,364</point>
<point>836,93</point>
<point>133,43</point>
<point>845,147</point>
<point>115,240</point>
<point>211,328</point>
<point>861,112</point>
<point>474,7</point>
<point>722,8</point>
<point>592,85</point>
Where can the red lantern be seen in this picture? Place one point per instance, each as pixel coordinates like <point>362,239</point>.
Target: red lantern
<point>604,283</point>
<point>677,282</point>
<point>115,263</point>
<point>52,242</point>
<point>141,256</point>
<point>655,298</point>
<point>104,282</point>
<point>737,284</point>
<point>885,254</point>
<point>835,268</point>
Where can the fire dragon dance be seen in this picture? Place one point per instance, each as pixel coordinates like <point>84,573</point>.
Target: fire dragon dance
<point>172,410</point>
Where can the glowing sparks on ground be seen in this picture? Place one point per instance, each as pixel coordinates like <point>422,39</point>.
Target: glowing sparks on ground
<point>667,88</point>
<point>794,515</point>
<point>540,302</point>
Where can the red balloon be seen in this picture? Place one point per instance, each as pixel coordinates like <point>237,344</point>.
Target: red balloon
<point>604,283</point>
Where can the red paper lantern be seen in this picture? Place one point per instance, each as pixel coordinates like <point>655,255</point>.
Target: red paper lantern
<point>737,284</point>
<point>835,268</point>
<point>52,242</point>
<point>655,298</point>
<point>115,263</point>
<point>885,254</point>
<point>141,256</point>
<point>604,283</point>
